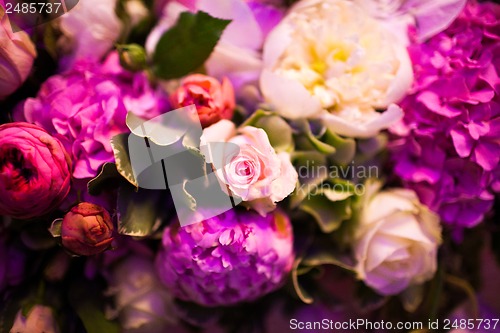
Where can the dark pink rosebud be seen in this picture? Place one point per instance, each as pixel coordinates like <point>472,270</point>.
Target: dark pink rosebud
<point>34,171</point>
<point>214,101</point>
<point>87,229</point>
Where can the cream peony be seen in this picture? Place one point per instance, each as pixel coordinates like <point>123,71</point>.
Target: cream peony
<point>397,242</point>
<point>256,174</point>
<point>332,60</point>
<point>90,29</point>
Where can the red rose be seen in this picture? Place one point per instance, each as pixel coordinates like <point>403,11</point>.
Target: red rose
<point>214,101</point>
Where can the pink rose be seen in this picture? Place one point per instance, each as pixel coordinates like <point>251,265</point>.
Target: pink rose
<point>34,171</point>
<point>87,229</point>
<point>257,175</point>
<point>16,56</point>
<point>214,101</point>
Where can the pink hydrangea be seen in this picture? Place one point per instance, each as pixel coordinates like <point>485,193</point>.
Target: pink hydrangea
<point>234,257</point>
<point>447,147</point>
<point>87,105</point>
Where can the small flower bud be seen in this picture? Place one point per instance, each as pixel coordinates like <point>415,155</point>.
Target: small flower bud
<point>87,229</point>
<point>132,57</point>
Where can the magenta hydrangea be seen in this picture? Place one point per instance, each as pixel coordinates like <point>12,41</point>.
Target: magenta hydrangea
<point>447,147</point>
<point>234,257</point>
<point>87,105</point>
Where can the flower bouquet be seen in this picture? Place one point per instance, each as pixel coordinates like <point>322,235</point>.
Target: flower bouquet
<point>249,166</point>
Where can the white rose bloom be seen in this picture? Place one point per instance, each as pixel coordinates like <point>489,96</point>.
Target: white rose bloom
<point>90,29</point>
<point>397,242</point>
<point>142,302</point>
<point>332,60</point>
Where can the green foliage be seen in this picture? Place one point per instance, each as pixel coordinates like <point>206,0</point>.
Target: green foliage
<point>187,45</point>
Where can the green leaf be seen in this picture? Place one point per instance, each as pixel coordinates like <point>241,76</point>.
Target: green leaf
<point>345,148</point>
<point>278,131</point>
<point>119,143</point>
<point>280,134</point>
<point>306,140</point>
<point>312,171</point>
<point>329,215</point>
<point>137,212</point>
<point>108,173</point>
<point>187,45</point>
<point>83,297</point>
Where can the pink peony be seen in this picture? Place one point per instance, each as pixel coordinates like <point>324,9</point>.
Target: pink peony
<point>214,101</point>
<point>34,171</point>
<point>87,105</point>
<point>234,257</point>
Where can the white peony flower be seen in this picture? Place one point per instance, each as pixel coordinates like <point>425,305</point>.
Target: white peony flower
<point>332,60</point>
<point>256,174</point>
<point>90,29</point>
<point>397,241</point>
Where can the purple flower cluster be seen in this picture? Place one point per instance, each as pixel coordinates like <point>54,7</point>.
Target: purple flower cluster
<point>87,105</point>
<point>234,257</point>
<point>447,147</point>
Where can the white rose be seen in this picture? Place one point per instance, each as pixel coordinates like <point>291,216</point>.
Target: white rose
<point>256,174</point>
<point>40,319</point>
<point>332,60</point>
<point>142,302</point>
<point>397,242</point>
<point>90,29</point>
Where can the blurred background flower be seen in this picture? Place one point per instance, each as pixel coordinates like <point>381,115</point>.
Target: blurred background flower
<point>17,53</point>
<point>142,303</point>
<point>89,31</point>
<point>40,319</point>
